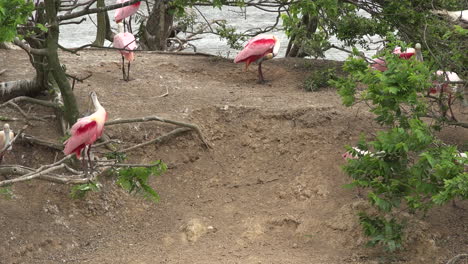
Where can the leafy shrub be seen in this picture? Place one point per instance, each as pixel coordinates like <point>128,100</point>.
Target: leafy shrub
<point>135,179</point>
<point>406,167</point>
<point>319,80</point>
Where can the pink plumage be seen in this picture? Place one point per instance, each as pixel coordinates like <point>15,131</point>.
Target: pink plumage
<point>379,64</point>
<point>257,48</point>
<point>125,40</point>
<point>409,52</point>
<point>443,85</point>
<point>86,130</point>
<point>124,12</point>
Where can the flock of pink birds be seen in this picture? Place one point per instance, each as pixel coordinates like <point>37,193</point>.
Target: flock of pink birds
<point>260,48</point>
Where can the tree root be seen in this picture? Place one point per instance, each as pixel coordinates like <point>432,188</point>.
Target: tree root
<point>158,139</point>
<point>159,119</point>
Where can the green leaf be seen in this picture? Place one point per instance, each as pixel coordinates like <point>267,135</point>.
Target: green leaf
<point>42,27</point>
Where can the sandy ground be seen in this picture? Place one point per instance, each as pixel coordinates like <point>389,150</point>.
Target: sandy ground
<point>269,191</point>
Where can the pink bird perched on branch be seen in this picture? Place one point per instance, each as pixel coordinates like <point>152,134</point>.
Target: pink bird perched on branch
<point>86,131</point>
<point>125,40</point>
<point>259,49</point>
<point>126,11</point>
<point>5,138</point>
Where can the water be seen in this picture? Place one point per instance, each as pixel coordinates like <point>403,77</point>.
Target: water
<point>77,35</point>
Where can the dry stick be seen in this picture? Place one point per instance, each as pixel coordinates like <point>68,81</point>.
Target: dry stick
<point>456,258</point>
<point>31,100</point>
<point>26,116</point>
<point>164,94</point>
<point>2,71</point>
<point>156,118</point>
<point>21,170</point>
<point>37,141</point>
<point>107,142</point>
<point>129,165</point>
<point>159,139</point>
<point>31,176</point>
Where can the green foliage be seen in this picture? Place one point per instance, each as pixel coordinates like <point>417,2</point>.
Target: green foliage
<point>383,232</point>
<point>79,191</point>
<point>13,13</point>
<point>319,79</point>
<point>229,33</point>
<point>135,180</point>
<point>118,156</point>
<point>6,193</point>
<point>409,168</point>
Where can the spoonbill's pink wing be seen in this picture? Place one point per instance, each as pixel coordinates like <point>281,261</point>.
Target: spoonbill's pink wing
<point>404,55</point>
<point>379,64</point>
<point>441,85</point>
<point>83,132</point>
<point>256,48</point>
<point>126,11</point>
<point>126,41</point>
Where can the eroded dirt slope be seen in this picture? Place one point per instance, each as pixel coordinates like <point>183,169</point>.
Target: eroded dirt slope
<point>269,191</point>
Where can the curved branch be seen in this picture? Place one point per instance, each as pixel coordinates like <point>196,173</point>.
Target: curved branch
<point>27,48</point>
<point>87,10</point>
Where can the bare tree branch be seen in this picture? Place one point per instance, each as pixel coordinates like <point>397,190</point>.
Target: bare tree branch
<point>28,49</point>
<point>88,10</point>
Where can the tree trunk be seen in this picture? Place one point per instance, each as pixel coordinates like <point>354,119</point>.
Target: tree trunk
<point>109,34</point>
<point>70,106</point>
<point>9,90</point>
<point>295,45</point>
<point>101,25</point>
<point>158,28</point>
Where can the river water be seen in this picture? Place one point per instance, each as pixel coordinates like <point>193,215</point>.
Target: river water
<point>76,35</point>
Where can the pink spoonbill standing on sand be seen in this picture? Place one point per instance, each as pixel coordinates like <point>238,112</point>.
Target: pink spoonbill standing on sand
<point>5,138</point>
<point>259,49</point>
<point>86,131</point>
<point>127,43</point>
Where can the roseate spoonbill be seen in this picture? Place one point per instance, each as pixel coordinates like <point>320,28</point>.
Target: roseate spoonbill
<point>380,64</point>
<point>5,138</point>
<point>444,86</point>
<point>126,11</point>
<point>259,49</point>
<point>86,131</point>
<point>125,40</point>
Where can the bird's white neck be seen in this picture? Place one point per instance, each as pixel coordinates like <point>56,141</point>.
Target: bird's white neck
<point>419,55</point>
<point>6,131</point>
<point>96,103</point>
<point>276,47</point>
<point>121,27</point>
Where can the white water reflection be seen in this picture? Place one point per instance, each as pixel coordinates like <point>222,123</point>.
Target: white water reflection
<point>76,35</point>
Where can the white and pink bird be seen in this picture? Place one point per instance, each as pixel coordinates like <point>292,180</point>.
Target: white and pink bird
<point>86,131</point>
<point>259,49</point>
<point>6,136</point>
<point>379,64</point>
<point>127,43</point>
<point>126,11</point>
